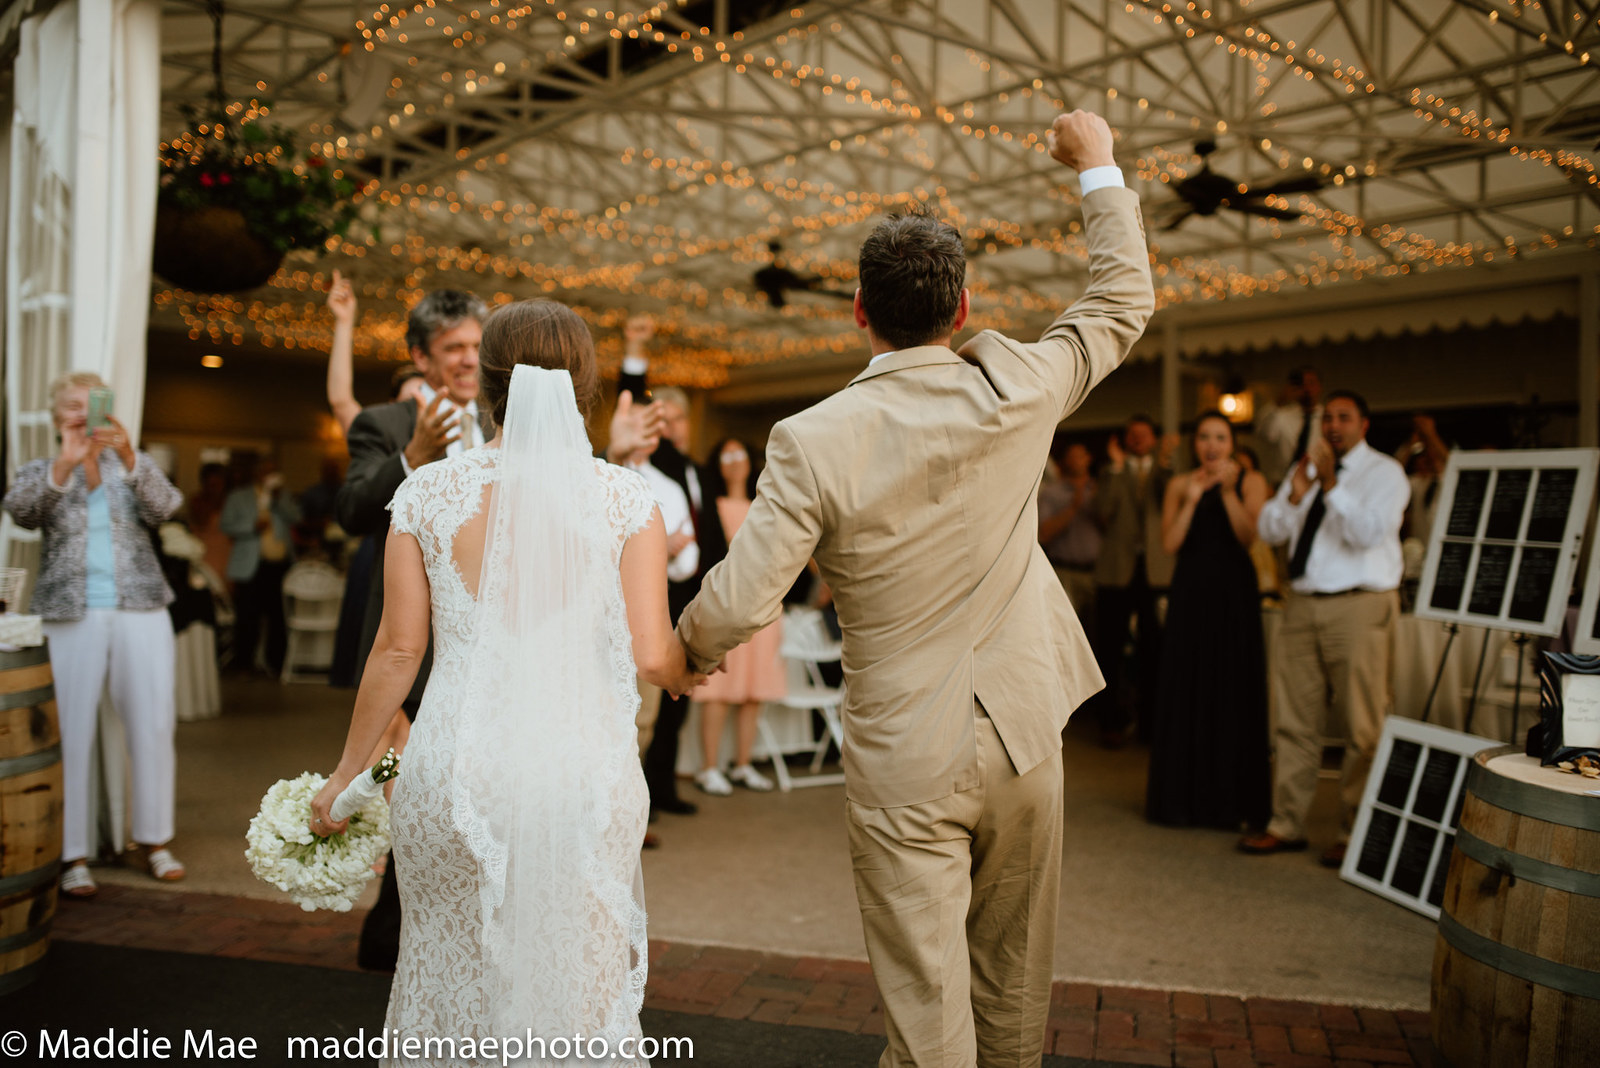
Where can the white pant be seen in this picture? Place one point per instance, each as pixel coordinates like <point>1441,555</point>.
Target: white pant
<point>135,649</point>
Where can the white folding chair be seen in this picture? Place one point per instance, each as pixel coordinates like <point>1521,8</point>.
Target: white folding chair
<point>311,595</point>
<point>807,645</point>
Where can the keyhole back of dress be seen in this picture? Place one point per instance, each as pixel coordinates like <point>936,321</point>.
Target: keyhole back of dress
<point>466,550</point>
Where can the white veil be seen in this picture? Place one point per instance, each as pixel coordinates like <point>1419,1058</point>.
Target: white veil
<point>546,782</point>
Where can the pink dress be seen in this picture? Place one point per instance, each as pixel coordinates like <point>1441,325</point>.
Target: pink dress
<point>754,671</point>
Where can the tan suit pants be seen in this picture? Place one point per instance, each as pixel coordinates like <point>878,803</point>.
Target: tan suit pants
<point>958,903</point>
<point>1334,651</point>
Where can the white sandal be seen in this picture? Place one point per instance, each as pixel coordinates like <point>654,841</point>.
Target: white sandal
<point>77,882</point>
<point>165,866</point>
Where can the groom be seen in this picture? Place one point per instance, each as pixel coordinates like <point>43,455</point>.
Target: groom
<point>915,488</point>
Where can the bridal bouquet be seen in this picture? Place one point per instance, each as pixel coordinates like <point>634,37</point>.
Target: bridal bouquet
<point>318,872</point>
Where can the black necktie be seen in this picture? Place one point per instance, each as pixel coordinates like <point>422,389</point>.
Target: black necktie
<point>1302,548</point>
<point>1301,441</point>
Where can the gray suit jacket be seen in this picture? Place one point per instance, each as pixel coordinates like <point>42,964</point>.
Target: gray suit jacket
<point>1131,521</point>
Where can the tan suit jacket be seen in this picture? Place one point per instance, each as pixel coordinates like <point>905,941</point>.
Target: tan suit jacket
<point>915,489</point>
<point>1131,520</point>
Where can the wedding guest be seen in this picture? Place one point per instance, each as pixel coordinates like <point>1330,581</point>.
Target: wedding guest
<point>1288,429</point>
<point>103,598</point>
<point>387,443</point>
<point>1068,530</point>
<point>1261,554</point>
<point>1424,455</point>
<point>671,461</point>
<point>915,490</point>
<point>753,672</point>
<point>259,516</point>
<point>1130,576</point>
<point>1208,743</point>
<point>404,385</point>
<point>1339,511</point>
<point>205,518</point>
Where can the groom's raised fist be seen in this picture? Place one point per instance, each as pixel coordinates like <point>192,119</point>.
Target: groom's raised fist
<point>1081,139</point>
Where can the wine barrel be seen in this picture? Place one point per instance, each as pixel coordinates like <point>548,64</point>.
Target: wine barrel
<point>30,813</point>
<point>1516,969</point>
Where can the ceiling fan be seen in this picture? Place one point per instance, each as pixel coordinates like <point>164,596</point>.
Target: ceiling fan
<point>776,280</point>
<point>1206,191</point>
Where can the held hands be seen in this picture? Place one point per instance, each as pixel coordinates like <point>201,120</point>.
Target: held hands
<point>1081,140</point>
<point>434,432</point>
<point>342,300</point>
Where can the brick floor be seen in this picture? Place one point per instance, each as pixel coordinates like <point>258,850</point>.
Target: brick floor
<point>1123,1025</point>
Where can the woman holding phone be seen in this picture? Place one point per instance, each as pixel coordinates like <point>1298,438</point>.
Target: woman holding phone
<point>104,601</point>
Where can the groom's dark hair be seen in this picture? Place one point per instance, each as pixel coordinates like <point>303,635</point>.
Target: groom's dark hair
<point>542,333</point>
<point>912,268</point>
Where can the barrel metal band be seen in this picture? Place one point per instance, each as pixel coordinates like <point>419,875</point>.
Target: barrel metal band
<point>24,881</point>
<point>1530,868</point>
<point>20,978</point>
<point>11,767</point>
<point>1528,799</point>
<point>25,938</point>
<point>24,698</point>
<point>24,658</point>
<point>1562,977</point>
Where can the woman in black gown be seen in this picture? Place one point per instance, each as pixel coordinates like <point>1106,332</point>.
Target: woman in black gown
<point>1208,748</point>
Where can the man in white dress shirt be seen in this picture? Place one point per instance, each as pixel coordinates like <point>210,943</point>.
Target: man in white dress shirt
<point>1339,512</point>
<point>1288,430</point>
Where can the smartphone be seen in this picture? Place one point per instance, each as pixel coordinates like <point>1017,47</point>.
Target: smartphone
<point>100,401</point>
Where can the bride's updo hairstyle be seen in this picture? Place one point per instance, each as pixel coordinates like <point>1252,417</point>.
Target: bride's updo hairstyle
<point>541,333</point>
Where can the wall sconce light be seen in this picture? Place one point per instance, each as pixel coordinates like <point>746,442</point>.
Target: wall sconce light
<point>211,360</point>
<point>1239,403</point>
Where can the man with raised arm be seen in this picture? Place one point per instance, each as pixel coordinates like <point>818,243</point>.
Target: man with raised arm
<point>915,490</point>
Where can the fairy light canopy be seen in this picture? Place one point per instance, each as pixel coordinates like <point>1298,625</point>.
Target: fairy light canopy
<point>625,157</point>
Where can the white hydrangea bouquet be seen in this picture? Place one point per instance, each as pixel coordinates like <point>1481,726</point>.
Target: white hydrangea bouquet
<point>321,872</point>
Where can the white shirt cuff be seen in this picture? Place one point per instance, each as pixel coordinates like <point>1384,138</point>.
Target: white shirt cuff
<point>635,365</point>
<point>403,465</point>
<point>1108,177</point>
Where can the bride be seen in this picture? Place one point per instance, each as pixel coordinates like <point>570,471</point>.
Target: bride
<point>519,814</point>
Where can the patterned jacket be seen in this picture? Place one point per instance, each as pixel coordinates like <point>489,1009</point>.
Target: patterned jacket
<point>139,501</point>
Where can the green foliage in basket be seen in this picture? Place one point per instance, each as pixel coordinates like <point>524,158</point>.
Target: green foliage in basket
<point>289,200</point>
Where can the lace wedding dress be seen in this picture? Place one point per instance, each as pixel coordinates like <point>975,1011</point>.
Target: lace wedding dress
<point>526,919</point>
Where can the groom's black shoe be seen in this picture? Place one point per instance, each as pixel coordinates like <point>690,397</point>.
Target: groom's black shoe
<point>676,806</point>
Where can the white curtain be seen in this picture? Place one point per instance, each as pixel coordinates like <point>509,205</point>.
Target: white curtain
<point>79,221</point>
<point>80,217</point>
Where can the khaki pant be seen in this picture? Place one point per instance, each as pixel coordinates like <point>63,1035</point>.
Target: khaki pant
<point>1334,651</point>
<point>649,709</point>
<point>958,903</point>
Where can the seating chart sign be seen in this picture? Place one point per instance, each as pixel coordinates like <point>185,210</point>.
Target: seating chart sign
<point>1507,537</point>
<point>1406,826</point>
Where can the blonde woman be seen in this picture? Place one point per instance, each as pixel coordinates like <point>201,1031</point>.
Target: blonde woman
<point>104,601</point>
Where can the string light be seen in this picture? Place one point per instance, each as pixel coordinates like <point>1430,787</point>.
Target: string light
<point>549,247</point>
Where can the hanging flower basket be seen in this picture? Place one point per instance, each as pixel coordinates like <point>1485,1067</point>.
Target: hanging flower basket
<point>235,198</point>
<point>211,250</point>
